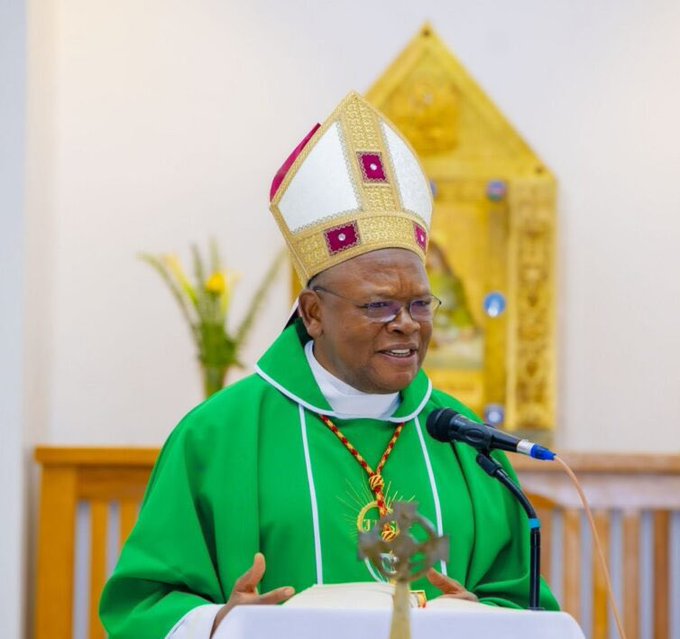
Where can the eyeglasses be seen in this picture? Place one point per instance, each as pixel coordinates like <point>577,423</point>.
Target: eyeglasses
<point>420,310</point>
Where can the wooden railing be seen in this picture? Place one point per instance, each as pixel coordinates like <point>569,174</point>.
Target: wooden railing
<point>97,477</point>
<point>636,499</point>
<point>636,504</point>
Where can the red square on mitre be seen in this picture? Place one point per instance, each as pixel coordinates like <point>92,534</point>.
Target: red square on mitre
<point>342,237</point>
<point>372,166</point>
<point>421,236</point>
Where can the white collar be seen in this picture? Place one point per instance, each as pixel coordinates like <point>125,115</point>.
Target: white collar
<point>346,401</point>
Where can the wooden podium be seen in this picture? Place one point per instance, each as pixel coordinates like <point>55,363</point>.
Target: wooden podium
<point>251,622</point>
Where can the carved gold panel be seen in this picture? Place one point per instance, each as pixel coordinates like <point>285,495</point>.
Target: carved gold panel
<point>492,239</point>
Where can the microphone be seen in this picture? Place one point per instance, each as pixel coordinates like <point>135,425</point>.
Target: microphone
<point>447,425</point>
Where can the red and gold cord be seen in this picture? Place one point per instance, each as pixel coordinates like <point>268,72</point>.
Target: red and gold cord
<point>375,478</point>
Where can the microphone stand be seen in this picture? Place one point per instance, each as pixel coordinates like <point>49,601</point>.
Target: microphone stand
<point>492,468</point>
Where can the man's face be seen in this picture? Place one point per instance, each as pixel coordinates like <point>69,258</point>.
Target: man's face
<point>374,357</point>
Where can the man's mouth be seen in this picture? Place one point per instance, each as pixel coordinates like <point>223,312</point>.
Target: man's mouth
<point>399,352</point>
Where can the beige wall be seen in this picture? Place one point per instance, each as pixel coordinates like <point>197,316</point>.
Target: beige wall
<point>156,124</point>
<point>153,124</point>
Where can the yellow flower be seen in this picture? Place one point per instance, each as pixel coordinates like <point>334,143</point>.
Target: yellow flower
<point>217,284</point>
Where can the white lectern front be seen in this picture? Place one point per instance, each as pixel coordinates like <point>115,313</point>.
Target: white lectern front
<point>280,622</point>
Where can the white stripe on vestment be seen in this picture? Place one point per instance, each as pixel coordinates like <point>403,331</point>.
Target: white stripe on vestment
<point>374,573</point>
<point>331,413</point>
<point>433,486</point>
<point>312,497</point>
<point>290,395</point>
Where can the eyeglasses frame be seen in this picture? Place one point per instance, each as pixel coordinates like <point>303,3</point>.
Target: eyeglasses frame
<point>365,306</point>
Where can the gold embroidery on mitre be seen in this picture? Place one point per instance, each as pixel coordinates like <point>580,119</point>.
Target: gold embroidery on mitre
<point>390,230</point>
<point>382,221</point>
<point>362,131</point>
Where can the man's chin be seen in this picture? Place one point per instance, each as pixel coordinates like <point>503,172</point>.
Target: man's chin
<point>394,382</point>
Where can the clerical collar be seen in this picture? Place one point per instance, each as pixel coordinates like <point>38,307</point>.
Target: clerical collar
<point>346,401</point>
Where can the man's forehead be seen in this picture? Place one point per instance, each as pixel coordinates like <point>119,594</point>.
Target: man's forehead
<point>390,257</point>
<point>375,268</point>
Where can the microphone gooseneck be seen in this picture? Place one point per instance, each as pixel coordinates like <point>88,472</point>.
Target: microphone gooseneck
<point>447,425</point>
<point>492,468</point>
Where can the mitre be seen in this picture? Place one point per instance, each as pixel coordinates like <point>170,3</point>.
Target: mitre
<point>353,185</point>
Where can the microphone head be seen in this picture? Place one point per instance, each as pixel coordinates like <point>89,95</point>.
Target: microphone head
<point>448,425</point>
<point>439,424</point>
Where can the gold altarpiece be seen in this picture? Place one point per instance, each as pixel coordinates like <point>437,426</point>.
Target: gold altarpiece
<point>492,240</point>
<point>491,251</point>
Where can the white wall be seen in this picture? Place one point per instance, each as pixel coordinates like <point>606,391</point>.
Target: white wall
<point>159,123</point>
<point>153,124</point>
<point>12,457</point>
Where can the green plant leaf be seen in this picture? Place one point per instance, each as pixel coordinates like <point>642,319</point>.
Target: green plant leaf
<point>186,305</point>
<point>246,324</point>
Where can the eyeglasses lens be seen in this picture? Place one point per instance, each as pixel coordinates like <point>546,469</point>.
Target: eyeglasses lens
<point>420,310</point>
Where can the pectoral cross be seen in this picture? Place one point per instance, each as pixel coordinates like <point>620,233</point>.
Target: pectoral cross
<point>411,558</point>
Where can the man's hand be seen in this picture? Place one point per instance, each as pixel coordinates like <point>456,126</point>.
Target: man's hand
<point>449,587</point>
<point>245,591</point>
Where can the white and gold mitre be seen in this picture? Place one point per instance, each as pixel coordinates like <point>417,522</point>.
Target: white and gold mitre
<point>353,185</point>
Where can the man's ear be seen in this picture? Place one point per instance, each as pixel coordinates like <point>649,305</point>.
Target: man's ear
<point>310,312</point>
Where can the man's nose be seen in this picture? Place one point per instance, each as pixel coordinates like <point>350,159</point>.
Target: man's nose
<point>403,322</point>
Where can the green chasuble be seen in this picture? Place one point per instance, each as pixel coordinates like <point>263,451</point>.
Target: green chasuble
<point>255,469</point>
